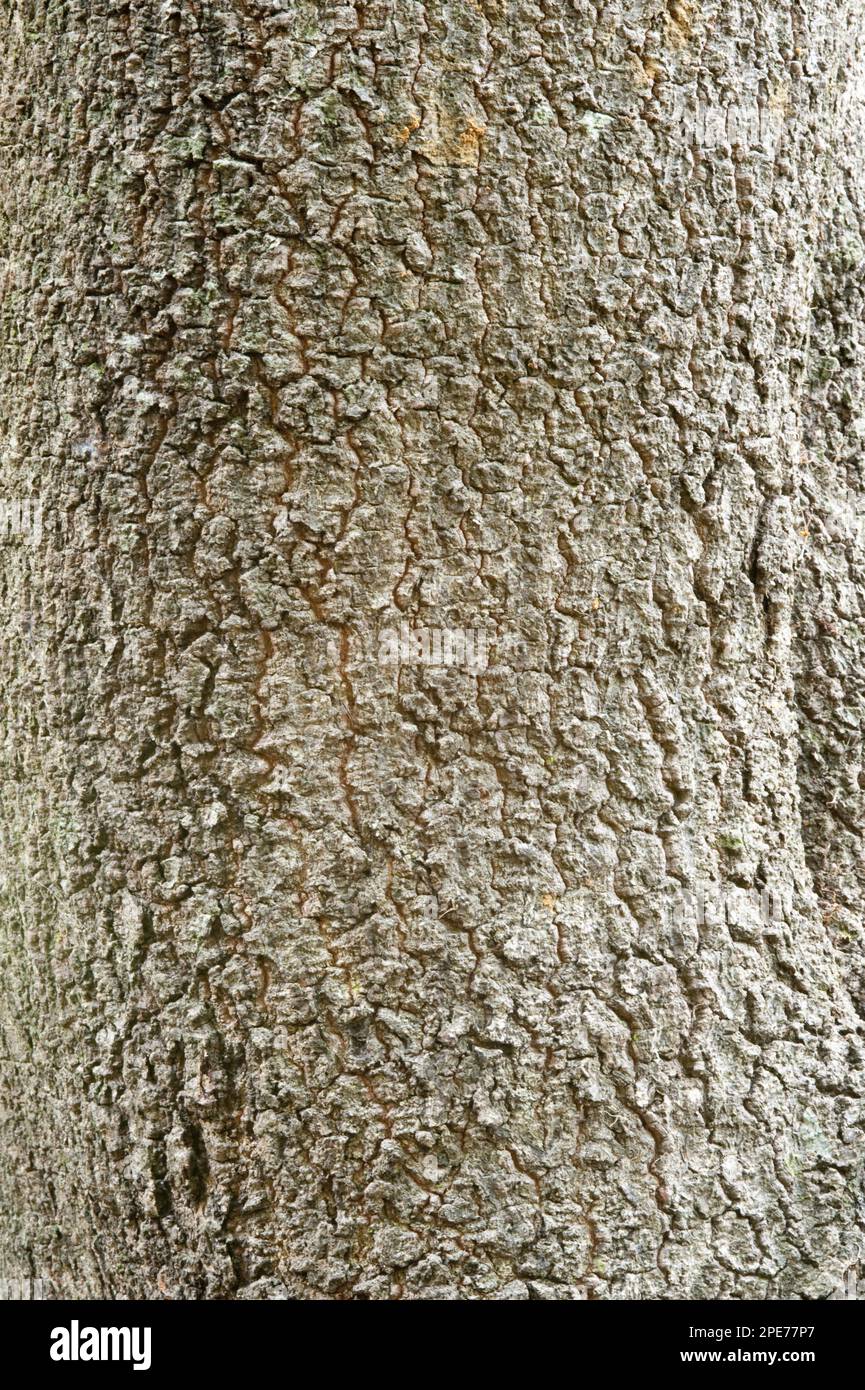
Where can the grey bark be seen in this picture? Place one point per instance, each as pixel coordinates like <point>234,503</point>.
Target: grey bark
<point>328,976</point>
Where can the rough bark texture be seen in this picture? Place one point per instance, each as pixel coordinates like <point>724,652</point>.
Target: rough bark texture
<point>332,978</point>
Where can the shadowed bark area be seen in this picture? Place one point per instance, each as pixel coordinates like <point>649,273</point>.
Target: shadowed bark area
<point>830,598</point>
<point>328,970</point>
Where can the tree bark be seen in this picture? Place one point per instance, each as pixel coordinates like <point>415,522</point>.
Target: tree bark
<point>438,460</point>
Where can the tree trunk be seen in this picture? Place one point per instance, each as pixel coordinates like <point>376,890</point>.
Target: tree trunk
<point>423,789</point>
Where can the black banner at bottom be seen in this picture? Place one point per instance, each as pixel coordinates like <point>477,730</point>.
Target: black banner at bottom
<point>84,1340</point>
